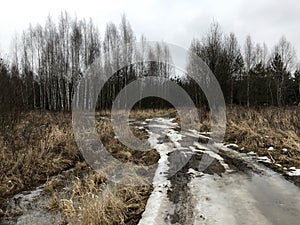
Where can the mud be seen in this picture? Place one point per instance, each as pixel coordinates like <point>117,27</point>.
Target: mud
<point>179,193</point>
<point>234,189</point>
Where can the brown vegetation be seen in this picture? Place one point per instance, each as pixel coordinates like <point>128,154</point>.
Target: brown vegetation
<point>94,200</point>
<point>39,145</point>
<point>259,129</point>
<point>34,147</point>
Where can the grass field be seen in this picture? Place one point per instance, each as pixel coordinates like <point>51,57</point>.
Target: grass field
<point>37,145</point>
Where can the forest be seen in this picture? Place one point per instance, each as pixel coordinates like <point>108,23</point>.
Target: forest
<point>47,61</point>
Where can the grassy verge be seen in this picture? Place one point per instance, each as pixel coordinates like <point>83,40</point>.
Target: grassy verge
<point>258,130</point>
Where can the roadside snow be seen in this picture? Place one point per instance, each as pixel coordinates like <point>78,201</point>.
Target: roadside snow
<point>193,172</point>
<point>264,159</point>
<point>232,146</point>
<point>197,134</point>
<point>208,151</point>
<point>158,205</point>
<point>200,146</point>
<point>158,200</point>
<point>294,172</point>
<point>251,153</point>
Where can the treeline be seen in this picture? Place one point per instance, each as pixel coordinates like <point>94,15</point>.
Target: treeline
<point>251,75</point>
<point>48,61</point>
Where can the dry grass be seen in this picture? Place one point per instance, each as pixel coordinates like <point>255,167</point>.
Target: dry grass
<point>41,144</point>
<point>93,200</point>
<point>257,130</point>
<point>150,113</point>
<point>122,152</point>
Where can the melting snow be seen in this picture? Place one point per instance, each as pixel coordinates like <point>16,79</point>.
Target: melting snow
<point>295,172</point>
<point>193,172</point>
<point>175,137</point>
<point>197,134</point>
<point>158,196</point>
<point>251,153</point>
<point>158,204</point>
<point>232,145</point>
<point>232,199</point>
<point>264,159</point>
<point>200,146</point>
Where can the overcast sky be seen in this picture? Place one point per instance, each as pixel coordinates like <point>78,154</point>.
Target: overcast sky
<point>174,21</point>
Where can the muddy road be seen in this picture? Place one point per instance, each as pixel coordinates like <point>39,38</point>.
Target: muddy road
<point>236,188</point>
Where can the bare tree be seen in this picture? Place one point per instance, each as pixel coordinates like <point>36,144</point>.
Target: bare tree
<point>287,53</point>
<point>249,63</point>
<point>283,61</point>
<point>235,61</point>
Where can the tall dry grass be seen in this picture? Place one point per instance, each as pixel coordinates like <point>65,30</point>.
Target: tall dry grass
<point>93,200</point>
<point>259,129</point>
<point>41,144</point>
<point>37,146</point>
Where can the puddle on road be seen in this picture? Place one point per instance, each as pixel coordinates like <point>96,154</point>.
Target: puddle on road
<point>277,199</point>
<point>238,198</point>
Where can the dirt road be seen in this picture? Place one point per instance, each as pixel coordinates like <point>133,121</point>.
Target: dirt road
<point>235,189</point>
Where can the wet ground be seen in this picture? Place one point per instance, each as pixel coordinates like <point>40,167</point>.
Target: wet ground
<point>35,206</point>
<point>234,188</point>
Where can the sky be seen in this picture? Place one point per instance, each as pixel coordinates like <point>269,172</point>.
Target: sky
<point>172,21</point>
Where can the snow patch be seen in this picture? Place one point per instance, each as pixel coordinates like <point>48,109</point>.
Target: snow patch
<point>196,134</point>
<point>175,137</point>
<point>203,149</point>
<point>158,204</point>
<point>264,159</point>
<point>200,146</point>
<point>295,172</point>
<point>251,153</point>
<point>232,146</point>
<point>194,173</point>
